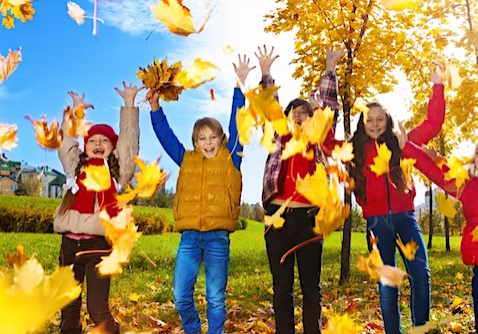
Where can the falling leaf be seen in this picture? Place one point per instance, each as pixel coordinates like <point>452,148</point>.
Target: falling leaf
<point>445,205</point>
<point>98,178</point>
<point>391,276</point>
<point>315,187</point>
<point>47,138</point>
<point>177,17</point>
<point>8,137</point>
<point>276,220</point>
<point>452,76</point>
<point>295,146</point>
<point>198,73</point>
<point>34,298</point>
<point>457,171</point>
<point>228,50</point>
<point>409,250</point>
<point>343,153</point>
<point>280,126</point>
<point>17,259</point>
<point>398,5</point>
<point>75,121</point>
<point>211,92</point>
<point>159,77</point>
<point>8,22</point>
<point>245,121</point>
<point>267,140</point>
<point>407,166</point>
<point>18,2</point>
<point>76,12</point>
<point>374,260</point>
<point>361,105</point>
<point>382,160</point>
<point>317,127</point>
<point>341,324</point>
<point>263,105</point>
<point>9,64</point>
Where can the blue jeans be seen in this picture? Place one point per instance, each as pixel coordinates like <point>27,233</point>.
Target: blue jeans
<point>386,228</point>
<point>212,249</point>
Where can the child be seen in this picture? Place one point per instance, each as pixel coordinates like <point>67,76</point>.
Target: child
<point>77,218</point>
<point>387,203</point>
<point>206,207</point>
<point>467,194</point>
<point>278,186</point>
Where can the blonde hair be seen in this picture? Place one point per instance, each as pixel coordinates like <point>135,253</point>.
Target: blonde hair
<point>207,122</point>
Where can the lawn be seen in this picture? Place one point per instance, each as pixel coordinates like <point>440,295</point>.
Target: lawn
<point>141,297</point>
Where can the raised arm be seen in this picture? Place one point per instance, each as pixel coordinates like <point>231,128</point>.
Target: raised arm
<point>69,152</point>
<point>128,138</point>
<point>433,123</point>
<point>266,59</point>
<point>165,135</point>
<point>242,71</point>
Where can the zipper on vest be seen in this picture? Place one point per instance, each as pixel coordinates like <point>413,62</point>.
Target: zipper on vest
<point>388,195</point>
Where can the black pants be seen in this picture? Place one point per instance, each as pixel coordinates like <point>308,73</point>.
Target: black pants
<point>297,228</point>
<point>98,287</point>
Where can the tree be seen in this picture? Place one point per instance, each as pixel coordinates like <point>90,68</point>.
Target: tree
<point>246,211</point>
<point>164,198</point>
<point>257,213</point>
<point>29,185</point>
<point>359,224</point>
<point>374,50</point>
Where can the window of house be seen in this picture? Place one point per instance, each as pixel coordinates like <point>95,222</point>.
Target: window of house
<point>13,187</point>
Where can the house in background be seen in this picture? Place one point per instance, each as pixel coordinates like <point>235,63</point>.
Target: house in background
<point>43,181</point>
<point>8,173</point>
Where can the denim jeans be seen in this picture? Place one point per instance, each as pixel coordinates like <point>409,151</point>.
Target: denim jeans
<point>98,287</point>
<point>386,228</point>
<point>297,229</point>
<point>212,249</point>
<point>474,292</point>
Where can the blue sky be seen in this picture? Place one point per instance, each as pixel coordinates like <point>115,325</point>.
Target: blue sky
<point>59,56</point>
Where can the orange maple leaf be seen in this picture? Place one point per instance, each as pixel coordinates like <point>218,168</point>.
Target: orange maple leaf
<point>8,137</point>
<point>47,138</point>
<point>409,250</point>
<point>177,17</point>
<point>19,258</point>
<point>9,64</point>
<point>263,105</point>
<point>76,125</point>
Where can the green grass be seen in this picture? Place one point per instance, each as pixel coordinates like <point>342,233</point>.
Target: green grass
<point>250,280</point>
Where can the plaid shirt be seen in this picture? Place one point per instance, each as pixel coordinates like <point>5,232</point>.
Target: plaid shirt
<point>276,168</point>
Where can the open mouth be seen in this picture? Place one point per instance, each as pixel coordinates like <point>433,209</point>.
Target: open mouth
<point>98,151</point>
<point>209,150</point>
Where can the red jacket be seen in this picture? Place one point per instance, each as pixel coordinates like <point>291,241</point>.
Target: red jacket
<point>381,195</point>
<point>467,196</point>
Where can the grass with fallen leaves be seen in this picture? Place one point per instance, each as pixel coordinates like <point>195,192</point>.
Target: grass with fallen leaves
<point>141,297</point>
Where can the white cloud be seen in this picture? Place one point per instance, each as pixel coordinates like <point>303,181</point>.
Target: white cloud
<point>131,16</point>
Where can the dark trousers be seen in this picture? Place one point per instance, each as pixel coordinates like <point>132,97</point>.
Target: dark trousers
<point>98,288</point>
<point>297,228</point>
<point>474,293</point>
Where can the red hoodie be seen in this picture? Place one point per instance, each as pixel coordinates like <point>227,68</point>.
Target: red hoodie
<point>382,197</point>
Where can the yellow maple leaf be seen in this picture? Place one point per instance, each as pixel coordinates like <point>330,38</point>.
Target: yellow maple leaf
<point>34,298</point>
<point>76,125</point>
<point>267,140</point>
<point>177,17</point>
<point>276,220</point>
<point>407,166</point>
<point>314,187</point>
<point>281,126</point>
<point>98,178</point>
<point>374,260</point>
<point>8,22</point>
<point>195,75</point>
<point>134,297</point>
<point>228,50</point>
<point>452,76</point>
<point>341,324</point>
<point>245,121</point>
<point>317,127</point>
<point>398,5</point>
<point>445,205</point>
<point>459,275</point>
<point>474,233</point>
<point>262,104</point>
<point>23,12</point>
<point>382,160</point>
<point>9,64</point>
<point>159,77</point>
<point>361,105</point>
<point>295,146</point>
<point>343,153</point>
<point>50,138</point>
<point>457,171</point>
<point>8,137</point>
<point>19,258</point>
<point>409,250</point>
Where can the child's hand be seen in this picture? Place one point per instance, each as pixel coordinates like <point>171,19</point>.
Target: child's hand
<point>313,99</point>
<point>439,74</point>
<point>128,94</point>
<point>80,100</point>
<point>153,99</point>
<point>243,69</point>
<point>266,60</point>
<point>332,56</point>
<point>401,135</point>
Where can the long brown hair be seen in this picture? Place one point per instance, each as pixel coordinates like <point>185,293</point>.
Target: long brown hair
<point>69,197</point>
<point>359,139</point>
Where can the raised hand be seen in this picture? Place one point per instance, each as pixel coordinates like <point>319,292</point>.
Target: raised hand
<point>266,59</point>
<point>438,75</point>
<point>314,101</point>
<point>332,56</point>
<point>401,135</point>
<point>242,70</point>
<point>80,100</point>
<point>128,93</point>
<point>153,99</point>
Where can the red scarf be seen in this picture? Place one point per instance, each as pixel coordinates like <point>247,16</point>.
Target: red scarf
<point>85,200</point>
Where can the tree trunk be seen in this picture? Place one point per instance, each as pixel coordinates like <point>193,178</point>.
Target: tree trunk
<point>430,217</point>
<point>447,235</point>
<point>470,25</point>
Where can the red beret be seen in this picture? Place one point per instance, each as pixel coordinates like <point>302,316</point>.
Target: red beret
<point>105,130</point>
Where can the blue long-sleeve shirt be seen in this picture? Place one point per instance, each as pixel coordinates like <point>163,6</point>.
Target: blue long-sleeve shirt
<point>175,149</point>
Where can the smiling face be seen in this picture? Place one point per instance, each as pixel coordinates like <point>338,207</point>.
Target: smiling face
<point>299,114</point>
<point>208,142</point>
<point>98,146</point>
<point>376,123</point>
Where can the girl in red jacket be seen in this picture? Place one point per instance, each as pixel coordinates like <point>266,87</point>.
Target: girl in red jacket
<point>467,196</point>
<point>387,202</point>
